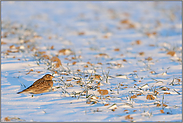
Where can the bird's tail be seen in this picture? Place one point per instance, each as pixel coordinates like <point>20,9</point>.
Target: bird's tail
<point>19,92</point>
<point>22,91</point>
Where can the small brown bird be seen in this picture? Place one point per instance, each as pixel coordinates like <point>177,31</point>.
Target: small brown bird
<point>42,85</point>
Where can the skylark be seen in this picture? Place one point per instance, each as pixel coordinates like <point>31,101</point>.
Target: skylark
<point>42,85</point>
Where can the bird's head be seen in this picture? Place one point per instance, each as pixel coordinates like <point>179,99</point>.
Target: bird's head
<point>48,77</point>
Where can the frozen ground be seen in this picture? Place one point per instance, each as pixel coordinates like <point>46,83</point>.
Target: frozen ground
<point>130,52</point>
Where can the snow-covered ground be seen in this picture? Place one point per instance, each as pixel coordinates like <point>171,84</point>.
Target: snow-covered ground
<point>120,61</point>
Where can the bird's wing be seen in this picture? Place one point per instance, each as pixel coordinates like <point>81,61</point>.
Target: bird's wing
<point>47,84</point>
<point>38,81</point>
<point>41,84</point>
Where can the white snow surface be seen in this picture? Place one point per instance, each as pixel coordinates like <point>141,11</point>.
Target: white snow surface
<point>106,38</point>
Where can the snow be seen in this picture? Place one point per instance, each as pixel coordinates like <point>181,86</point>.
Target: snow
<point>101,38</point>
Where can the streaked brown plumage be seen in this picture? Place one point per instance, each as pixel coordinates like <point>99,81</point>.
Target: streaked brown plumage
<point>42,85</point>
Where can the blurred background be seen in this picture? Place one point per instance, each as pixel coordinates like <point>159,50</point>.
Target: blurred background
<point>63,17</point>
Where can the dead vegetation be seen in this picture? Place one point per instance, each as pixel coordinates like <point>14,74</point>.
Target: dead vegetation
<point>94,79</point>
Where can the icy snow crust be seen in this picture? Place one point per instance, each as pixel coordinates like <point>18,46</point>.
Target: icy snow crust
<point>130,51</point>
